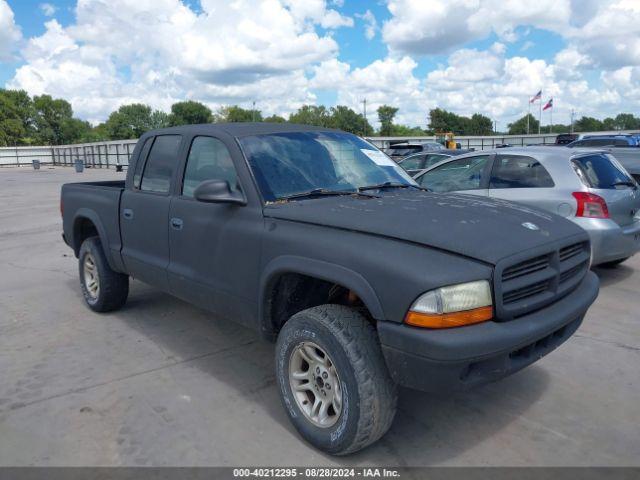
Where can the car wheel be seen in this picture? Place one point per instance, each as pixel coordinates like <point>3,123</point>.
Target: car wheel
<point>333,380</point>
<point>104,290</point>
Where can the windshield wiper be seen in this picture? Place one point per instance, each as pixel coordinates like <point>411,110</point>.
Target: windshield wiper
<point>382,186</point>
<point>319,192</point>
<point>626,183</point>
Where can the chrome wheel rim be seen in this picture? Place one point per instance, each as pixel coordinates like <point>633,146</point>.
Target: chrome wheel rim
<point>91,279</point>
<point>315,384</point>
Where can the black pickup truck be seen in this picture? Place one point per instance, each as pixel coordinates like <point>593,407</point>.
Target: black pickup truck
<point>323,244</point>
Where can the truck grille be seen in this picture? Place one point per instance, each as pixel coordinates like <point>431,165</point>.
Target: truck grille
<point>525,285</point>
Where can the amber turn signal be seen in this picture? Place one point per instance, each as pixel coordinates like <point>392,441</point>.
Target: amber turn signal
<point>449,320</point>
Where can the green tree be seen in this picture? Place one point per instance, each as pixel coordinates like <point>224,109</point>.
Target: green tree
<point>16,118</point>
<point>311,115</point>
<point>405,131</point>
<point>627,121</point>
<point>189,113</point>
<point>74,130</point>
<point>159,119</point>
<point>129,121</point>
<point>588,124</point>
<point>344,118</point>
<point>479,125</point>
<point>275,119</point>
<point>51,116</point>
<point>609,124</point>
<point>519,127</point>
<point>385,116</point>
<point>234,113</point>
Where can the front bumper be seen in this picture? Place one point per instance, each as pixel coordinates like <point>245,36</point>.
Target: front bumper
<point>461,358</point>
<point>609,241</point>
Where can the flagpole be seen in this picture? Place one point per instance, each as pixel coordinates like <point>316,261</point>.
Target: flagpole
<point>551,118</point>
<point>528,113</point>
<point>540,113</point>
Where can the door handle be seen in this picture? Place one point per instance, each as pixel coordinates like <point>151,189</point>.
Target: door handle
<point>176,223</point>
<point>127,213</point>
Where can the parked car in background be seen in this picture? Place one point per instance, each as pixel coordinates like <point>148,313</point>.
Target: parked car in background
<point>419,161</point>
<point>589,187</point>
<point>400,150</point>
<point>566,138</point>
<point>626,149</point>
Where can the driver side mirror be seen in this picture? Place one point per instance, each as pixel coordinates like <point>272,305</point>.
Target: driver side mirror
<point>218,191</point>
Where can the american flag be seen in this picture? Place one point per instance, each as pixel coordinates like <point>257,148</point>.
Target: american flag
<point>537,96</point>
<point>549,104</point>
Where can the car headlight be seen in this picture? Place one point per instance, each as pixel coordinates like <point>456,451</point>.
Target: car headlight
<point>452,306</point>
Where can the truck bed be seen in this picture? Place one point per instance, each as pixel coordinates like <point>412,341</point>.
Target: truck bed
<point>99,202</point>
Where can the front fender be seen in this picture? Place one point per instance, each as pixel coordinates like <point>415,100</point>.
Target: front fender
<point>323,270</point>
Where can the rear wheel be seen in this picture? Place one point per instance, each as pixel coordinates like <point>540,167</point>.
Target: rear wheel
<point>104,290</point>
<point>333,380</point>
<point>613,263</point>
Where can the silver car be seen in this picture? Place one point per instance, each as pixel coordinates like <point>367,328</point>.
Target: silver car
<point>588,186</point>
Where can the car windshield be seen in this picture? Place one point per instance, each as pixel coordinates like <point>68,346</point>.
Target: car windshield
<point>602,171</point>
<point>294,163</point>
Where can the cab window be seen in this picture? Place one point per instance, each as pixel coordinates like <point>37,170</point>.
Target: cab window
<point>209,159</point>
<point>515,171</point>
<point>161,164</point>
<point>462,174</point>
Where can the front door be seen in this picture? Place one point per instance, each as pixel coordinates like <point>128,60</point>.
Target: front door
<point>144,213</point>
<point>214,246</point>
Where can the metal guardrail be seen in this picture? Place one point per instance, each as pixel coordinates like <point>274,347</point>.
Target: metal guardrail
<point>117,153</point>
<point>96,155</point>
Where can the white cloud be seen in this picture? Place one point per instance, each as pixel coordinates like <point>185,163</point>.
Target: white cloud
<point>370,22</point>
<point>435,26</point>
<point>9,33</point>
<point>161,51</point>
<point>48,9</point>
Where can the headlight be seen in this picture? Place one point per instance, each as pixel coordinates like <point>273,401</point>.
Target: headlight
<point>452,306</point>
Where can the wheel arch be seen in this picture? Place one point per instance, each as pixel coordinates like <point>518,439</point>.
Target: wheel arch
<point>86,223</point>
<point>313,269</point>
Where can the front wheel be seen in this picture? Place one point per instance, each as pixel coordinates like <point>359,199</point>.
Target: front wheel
<point>333,380</point>
<point>103,289</point>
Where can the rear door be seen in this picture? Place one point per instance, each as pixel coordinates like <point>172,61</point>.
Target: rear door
<point>462,175</point>
<point>520,178</point>
<point>144,212</point>
<point>604,176</point>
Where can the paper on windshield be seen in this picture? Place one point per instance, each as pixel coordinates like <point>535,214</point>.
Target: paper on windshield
<point>379,158</point>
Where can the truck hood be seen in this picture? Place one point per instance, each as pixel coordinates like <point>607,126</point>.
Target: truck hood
<point>474,226</point>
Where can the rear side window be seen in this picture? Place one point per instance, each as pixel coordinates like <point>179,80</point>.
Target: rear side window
<point>161,164</point>
<point>602,172</point>
<point>137,174</point>
<point>209,159</point>
<point>463,174</point>
<point>515,171</point>
<point>413,163</point>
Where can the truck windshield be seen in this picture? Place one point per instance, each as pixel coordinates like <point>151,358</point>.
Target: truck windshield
<point>292,163</point>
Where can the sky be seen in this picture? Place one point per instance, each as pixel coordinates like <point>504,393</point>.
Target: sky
<point>466,56</point>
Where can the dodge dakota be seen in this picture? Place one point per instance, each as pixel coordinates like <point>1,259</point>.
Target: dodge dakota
<point>363,279</point>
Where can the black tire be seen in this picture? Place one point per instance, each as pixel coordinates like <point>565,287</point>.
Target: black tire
<point>113,286</point>
<point>614,263</point>
<point>369,395</point>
